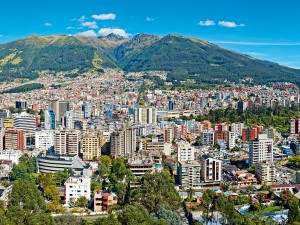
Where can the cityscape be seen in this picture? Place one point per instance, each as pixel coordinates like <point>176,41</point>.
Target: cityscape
<point>102,126</point>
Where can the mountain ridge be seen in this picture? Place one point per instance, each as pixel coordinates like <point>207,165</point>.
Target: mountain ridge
<point>181,57</point>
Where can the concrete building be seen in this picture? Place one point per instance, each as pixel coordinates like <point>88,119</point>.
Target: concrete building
<point>59,108</point>
<point>53,163</point>
<point>231,140</point>
<point>294,126</point>
<point>2,133</point>
<point>76,187</point>
<point>139,166</point>
<point>145,115</point>
<point>237,128</point>
<point>168,134</point>
<point>87,109</point>
<point>207,137</point>
<point>211,169</point>
<point>104,199</point>
<point>10,154</point>
<point>189,174</point>
<point>44,140</point>
<point>261,149</point>
<point>8,123</point>
<point>50,120</point>
<point>24,121</point>
<point>185,152</point>
<point>123,142</point>
<point>265,171</point>
<point>67,142</point>
<point>14,139</point>
<point>21,105</point>
<point>90,147</point>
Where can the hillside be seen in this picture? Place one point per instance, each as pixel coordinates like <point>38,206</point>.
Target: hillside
<point>181,57</point>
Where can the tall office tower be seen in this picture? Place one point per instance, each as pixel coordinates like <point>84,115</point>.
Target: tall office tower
<point>24,121</point>
<point>21,105</point>
<point>242,106</point>
<point>67,142</point>
<point>59,108</point>
<point>294,126</point>
<point>50,120</point>
<point>207,137</point>
<point>261,149</point>
<point>185,152</point>
<point>231,140</point>
<point>90,147</point>
<point>44,140</point>
<point>2,133</point>
<point>211,169</point>
<point>123,142</point>
<point>14,139</point>
<point>87,109</point>
<point>237,128</point>
<point>145,115</point>
<point>171,105</point>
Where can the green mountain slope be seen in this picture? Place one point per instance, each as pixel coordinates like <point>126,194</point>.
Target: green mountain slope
<point>181,57</point>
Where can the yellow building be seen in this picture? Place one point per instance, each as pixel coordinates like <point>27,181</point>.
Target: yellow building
<point>8,123</point>
<point>90,147</point>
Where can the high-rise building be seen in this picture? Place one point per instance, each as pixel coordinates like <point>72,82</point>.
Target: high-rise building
<point>261,149</point>
<point>67,142</point>
<point>207,137</point>
<point>44,140</point>
<point>123,142</point>
<point>90,147</point>
<point>145,115</point>
<point>237,128</point>
<point>21,105</point>
<point>168,134</point>
<point>265,171</point>
<point>185,152</point>
<point>76,187</point>
<point>24,121</point>
<point>211,169</point>
<point>87,109</point>
<point>8,123</point>
<point>2,133</point>
<point>242,106</point>
<point>50,120</point>
<point>294,126</point>
<point>171,105</point>
<point>189,174</point>
<point>231,140</point>
<point>29,140</point>
<point>59,108</point>
<point>14,139</point>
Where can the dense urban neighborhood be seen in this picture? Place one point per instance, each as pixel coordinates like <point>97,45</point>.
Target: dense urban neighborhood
<point>116,148</point>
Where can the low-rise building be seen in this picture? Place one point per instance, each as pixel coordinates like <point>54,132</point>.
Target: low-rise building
<point>102,200</point>
<point>76,187</point>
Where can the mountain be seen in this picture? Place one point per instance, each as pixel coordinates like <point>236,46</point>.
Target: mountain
<point>181,57</point>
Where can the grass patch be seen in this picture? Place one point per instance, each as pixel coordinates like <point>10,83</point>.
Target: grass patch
<point>270,209</point>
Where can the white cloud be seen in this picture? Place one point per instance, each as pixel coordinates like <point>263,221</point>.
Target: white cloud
<point>88,33</point>
<point>117,31</point>
<point>48,24</point>
<point>207,23</point>
<point>70,28</point>
<point>81,19</point>
<point>149,19</point>
<point>109,16</point>
<point>92,25</point>
<point>230,24</point>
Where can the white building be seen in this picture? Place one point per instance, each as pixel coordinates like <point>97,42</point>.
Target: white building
<point>145,115</point>
<point>211,169</point>
<point>76,187</point>
<point>44,139</point>
<point>231,140</point>
<point>24,121</point>
<point>265,171</point>
<point>185,152</point>
<point>189,174</point>
<point>2,133</point>
<point>261,149</point>
<point>12,155</point>
<point>237,128</point>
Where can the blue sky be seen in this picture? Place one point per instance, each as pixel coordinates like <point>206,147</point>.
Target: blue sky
<point>263,29</point>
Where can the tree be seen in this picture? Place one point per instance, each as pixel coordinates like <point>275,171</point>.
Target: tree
<point>294,212</point>
<point>27,207</point>
<point>107,221</point>
<point>82,201</point>
<point>286,196</point>
<point>60,177</point>
<point>134,215</point>
<point>121,192</point>
<point>265,187</point>
<point>68,219</point>
<point>169,216</point>
<point>225,187</point>
<point>191,193</point>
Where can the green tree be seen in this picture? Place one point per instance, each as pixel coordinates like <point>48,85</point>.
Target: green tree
<point>82,201</point>
<point>171,217</point>
<point>134,215</point>
<point>121,192</point>
<point>107,221</point>
<point>294,212</point>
